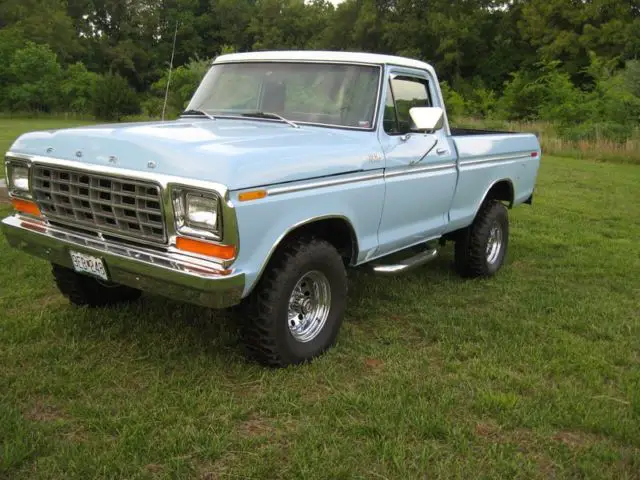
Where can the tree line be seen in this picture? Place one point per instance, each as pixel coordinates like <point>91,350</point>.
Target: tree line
<point>573,62</point>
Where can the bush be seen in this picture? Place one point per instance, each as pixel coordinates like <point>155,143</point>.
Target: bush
<point>545,93</point>
<point>479,101</point>
<point>152,106</point>
<point>113,98</point>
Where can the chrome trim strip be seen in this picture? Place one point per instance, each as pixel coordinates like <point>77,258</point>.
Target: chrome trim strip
<point>364,177</point>
<point>402,171</point>
<point>497,158</point>
<point>331,182</point>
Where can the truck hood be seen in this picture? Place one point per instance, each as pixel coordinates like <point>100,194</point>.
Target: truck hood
<point>237,153</point>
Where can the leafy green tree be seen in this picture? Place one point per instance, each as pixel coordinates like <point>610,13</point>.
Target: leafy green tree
<point>454,102</point>
<point>184,81</point>
<point>113,98</point>
<point>10,41</point>
<point>632,77</point>
<point>77,87</point>
<point>567,30</point>
<point>287,24</point>
<point>545,93</point>
<point>43,22</point>
<point>34,79</point>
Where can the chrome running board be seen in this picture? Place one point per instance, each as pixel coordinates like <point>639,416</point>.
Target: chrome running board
<point>407,264</point>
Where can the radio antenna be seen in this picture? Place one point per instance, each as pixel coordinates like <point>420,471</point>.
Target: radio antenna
<point>173,51</point>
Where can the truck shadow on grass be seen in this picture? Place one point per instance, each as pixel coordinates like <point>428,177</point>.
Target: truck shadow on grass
<point>162,327</point>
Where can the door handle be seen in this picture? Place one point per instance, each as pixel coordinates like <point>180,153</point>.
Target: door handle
<point>442,151</point>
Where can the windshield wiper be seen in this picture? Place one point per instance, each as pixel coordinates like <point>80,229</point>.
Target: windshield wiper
<point>270,115</point>
<point>192,111</point>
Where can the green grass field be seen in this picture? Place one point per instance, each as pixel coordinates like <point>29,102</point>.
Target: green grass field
<point>532,374</point>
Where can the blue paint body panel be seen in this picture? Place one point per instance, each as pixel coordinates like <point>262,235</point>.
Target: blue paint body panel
<point>400,203</point>
<point>236,153</point>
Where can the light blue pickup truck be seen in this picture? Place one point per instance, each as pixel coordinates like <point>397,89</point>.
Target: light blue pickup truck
<point>285,169</point>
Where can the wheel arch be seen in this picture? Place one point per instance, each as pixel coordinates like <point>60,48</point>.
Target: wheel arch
<point>502,190</point>
<point>338,230</point>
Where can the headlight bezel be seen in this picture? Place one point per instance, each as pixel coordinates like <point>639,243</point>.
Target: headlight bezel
<point>11,165</point>
<point>185,226</point>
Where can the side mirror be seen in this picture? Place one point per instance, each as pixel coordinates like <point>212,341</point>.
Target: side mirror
<point>427,119</point>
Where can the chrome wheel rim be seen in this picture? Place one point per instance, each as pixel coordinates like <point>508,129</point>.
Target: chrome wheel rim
<point>494,244</point>
<point>309,306</point>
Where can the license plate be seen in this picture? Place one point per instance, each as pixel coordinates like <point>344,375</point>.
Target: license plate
<point>84,263</point>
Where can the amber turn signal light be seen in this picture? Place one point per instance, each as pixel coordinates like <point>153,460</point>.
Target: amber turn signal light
<point>252,195</point>
<point>225,252</point>
<point>25,206</point>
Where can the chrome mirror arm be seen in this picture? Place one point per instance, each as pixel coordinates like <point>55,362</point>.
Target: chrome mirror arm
<point>414,162</point>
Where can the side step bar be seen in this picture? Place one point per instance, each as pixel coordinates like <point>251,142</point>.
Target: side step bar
<point>407,264</point>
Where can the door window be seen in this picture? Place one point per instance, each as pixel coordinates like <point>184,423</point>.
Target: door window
<point>404,93</point>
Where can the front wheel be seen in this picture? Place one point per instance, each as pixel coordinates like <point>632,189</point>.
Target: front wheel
<point>481,248</point>
<point>296,310</point>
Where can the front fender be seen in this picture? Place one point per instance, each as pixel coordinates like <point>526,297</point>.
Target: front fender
<point>264,223</point>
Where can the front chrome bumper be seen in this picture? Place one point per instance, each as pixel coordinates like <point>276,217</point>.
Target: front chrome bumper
<point>173,275</point>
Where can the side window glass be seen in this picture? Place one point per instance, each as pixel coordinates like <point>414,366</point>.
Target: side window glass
<point>409,92</point>
<point>389,121</point>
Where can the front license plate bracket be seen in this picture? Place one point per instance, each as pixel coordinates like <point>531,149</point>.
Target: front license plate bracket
<point>90,265</point>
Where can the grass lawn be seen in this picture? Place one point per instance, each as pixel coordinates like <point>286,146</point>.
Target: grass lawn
<point>532,374</point>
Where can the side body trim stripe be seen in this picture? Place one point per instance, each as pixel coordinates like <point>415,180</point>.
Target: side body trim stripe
<point>391,173</point>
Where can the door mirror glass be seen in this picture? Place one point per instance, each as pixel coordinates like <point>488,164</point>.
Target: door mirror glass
<point>427,119</point>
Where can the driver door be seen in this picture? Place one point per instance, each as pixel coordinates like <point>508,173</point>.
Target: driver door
<point>420,171</point>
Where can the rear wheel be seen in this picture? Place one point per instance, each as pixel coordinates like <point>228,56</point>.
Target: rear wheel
<point>481,248</point>
<point>83,290</point>
<point>295,312</point>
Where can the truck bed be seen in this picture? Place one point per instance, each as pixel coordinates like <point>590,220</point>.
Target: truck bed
<point>460,132</point>
<point>486,157</point>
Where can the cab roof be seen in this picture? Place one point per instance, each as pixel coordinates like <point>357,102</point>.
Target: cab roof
<point>325,56</point>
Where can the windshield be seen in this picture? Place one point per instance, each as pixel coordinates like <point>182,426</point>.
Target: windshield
<point>321,93</point>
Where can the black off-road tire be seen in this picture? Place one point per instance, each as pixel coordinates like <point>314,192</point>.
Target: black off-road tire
<point>266,334</point>
<point>83,290</point>
<point>471,246</point>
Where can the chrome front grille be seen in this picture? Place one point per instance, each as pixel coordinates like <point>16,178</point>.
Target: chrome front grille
<point>119,206</point>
